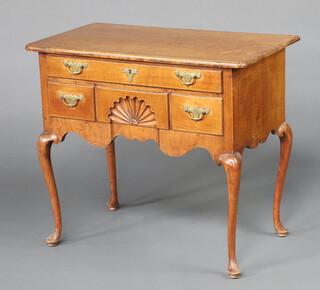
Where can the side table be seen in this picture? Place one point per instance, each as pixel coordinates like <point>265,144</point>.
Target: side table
<point>221,91</point>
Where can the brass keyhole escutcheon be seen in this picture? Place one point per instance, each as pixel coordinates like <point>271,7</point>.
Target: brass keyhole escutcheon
<point>130,72</point>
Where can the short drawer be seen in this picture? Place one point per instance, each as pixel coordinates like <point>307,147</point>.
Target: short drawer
<point>132,107</point>
<point>136,74</point>
<point>197,114</point>
<point>71,101</point>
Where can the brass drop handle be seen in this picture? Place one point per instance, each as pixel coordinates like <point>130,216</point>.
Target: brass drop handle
<point>196,113</point>
<point>187,78</point>
<point>70,100</point>
<point>75,67</point>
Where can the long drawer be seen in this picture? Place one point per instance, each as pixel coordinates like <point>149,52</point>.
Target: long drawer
<point>135,74</point>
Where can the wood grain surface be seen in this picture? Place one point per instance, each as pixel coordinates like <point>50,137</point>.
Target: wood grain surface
<point>211,123</point>
<point>258,100</point>
<point>84,109</point>
<point>165,45</point>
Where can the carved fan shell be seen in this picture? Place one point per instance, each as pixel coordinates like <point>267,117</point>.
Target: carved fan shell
<point>133,112</point>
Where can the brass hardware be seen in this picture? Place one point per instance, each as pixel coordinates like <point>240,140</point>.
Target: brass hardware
<point>187,78</point>
<point>130,72</point>
<point>70,100</point>
<point>196,113</point>
<point>75,67</point>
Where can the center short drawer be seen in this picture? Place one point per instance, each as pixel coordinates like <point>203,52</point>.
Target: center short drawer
<point>136,74</point>
<point>134,108</point>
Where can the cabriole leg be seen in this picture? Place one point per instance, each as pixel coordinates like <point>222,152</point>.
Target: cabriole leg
<point>285,135</point>
<point>232,164</point>
<point>44,147</point>
<point>113,204</point>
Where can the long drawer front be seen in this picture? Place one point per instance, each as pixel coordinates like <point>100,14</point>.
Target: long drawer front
<point>136,74</point>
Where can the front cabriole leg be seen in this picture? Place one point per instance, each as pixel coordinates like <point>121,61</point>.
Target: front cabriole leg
<point>232,164</point>
<point>285,134</point>
<point>44,147</point>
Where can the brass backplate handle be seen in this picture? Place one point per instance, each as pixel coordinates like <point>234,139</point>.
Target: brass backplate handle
<point>187,78</point>
<point>75,67</point>
<point>130,72</point>
<point>196,113</point>
<point>70,100</point>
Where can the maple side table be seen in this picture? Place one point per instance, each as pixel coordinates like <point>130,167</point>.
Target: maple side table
<point>222,91</point>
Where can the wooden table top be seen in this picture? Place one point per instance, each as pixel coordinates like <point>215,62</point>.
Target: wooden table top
<point>165,45</point>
